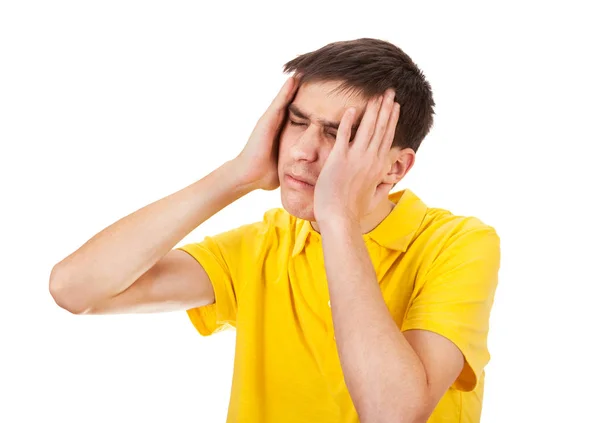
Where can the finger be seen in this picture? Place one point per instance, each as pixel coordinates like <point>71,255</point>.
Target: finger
<point>381,191</point>
<point>382,120</point>
<point>285,95</point>
<point>390,131</point>
<point>367,124</point>
<point>344,132</point>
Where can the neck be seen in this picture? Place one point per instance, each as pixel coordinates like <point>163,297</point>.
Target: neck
<point>372,220</point>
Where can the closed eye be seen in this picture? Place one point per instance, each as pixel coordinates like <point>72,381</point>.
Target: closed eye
<point>293,123</point>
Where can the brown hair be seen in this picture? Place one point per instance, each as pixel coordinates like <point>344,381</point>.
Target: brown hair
<point>370,66</point>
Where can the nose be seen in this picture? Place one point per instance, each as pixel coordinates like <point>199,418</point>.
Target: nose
<point>306,146</point>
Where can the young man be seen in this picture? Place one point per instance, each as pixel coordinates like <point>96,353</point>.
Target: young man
<point>350,303</point>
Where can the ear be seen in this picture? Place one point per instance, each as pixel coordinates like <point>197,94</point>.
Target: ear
<point>399,162</point>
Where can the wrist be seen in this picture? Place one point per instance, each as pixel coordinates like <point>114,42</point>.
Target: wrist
<point>339,224</point>
<point>237,177</point>
<point>240,176</point>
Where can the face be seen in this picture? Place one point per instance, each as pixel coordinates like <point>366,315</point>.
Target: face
<point>306,140</point>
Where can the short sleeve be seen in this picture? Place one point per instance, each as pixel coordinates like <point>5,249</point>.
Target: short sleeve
<point>455,298</point>
<point>222,256</point>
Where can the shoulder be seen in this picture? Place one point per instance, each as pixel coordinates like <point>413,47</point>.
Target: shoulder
<point>447,235</point>
<point>442,225</point>
<point>275,222</point>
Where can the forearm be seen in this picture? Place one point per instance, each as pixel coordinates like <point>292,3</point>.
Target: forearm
<point>384,376</point>
<point>117,256</point>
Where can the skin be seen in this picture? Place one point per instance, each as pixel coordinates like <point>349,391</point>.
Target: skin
<point>305,146</point>
<point>406,373</point>
<point>349,173</point>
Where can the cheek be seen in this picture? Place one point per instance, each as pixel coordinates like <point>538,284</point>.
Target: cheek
<point>289,132</point>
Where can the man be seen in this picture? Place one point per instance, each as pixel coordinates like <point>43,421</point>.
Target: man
<point>350,303</point>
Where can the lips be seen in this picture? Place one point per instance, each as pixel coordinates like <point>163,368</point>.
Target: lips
<point>301,179</point>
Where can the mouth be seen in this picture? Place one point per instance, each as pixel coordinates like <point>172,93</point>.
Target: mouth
<point>298,182</point>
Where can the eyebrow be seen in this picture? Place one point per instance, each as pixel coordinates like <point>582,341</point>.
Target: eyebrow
<point>323,122</point>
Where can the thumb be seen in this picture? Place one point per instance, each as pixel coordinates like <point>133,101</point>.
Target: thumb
<point>284,97</point>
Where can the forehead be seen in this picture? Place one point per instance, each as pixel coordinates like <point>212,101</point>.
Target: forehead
<point>321,101</point>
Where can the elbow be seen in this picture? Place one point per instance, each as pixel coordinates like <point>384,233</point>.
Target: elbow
<point>417,412</point>
<point>414,414</point>
<point>422,416</point>
<point>64,294</point>
<point>415,409</point>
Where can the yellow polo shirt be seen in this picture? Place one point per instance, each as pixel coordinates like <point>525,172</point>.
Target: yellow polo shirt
<point>436,271</point>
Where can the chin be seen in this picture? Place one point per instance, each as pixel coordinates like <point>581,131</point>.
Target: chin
<point>298,205</point>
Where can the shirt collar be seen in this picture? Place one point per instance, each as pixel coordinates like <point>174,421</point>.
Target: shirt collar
<point>395,232</point>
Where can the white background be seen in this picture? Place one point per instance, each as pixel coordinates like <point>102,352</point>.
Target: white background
<point>108,106</point>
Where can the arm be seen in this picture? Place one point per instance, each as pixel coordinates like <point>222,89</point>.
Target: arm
<point>391,376</point>
<point>127,251</point>
<point>129,265</point>
<point>389,379</point>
